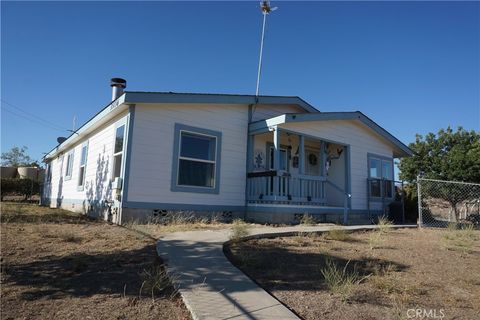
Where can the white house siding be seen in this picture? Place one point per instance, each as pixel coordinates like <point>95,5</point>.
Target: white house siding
<point>152,152</point>
<point>266,111</point>
<point>97,187</point>
<point>361,140</point>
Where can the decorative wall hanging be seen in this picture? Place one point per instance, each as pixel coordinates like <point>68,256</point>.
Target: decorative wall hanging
<point>312,159</point>
<point>259,160</point>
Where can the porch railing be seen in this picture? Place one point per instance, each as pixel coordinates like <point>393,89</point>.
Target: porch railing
<point>282,187</point>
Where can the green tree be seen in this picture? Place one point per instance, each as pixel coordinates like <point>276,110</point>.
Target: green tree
<point>447,155</point>
<point>18,157</point>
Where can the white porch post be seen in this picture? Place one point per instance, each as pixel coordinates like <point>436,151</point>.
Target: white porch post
<point>276,158</point>
<point>301,155</point>
<point>323,158</point>
<point>276,151</point>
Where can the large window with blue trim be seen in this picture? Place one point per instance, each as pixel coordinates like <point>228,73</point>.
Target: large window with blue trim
<point>196,160</point>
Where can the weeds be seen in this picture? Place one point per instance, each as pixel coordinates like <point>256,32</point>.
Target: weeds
<point>376,238</point>
<point>339,280</point>
<point>308,220</point>
<point>154,280</point>
<point>239,230</point>
<point>384,225</point>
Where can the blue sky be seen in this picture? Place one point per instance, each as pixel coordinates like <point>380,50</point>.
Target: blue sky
<point>413,67</point>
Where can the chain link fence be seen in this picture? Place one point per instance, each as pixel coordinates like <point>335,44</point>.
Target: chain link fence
<point>443,202</point>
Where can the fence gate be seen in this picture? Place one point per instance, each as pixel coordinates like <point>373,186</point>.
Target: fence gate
<point>443,202</point>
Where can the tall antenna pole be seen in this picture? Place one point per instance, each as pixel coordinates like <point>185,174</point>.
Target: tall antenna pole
<point>74,123</point>
<point>266,9</point>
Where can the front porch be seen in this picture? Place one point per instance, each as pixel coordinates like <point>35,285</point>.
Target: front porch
<point>289,172</point>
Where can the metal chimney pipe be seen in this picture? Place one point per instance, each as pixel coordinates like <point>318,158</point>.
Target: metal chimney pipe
<point>117,84</point>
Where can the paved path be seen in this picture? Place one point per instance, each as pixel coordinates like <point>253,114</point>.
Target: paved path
<point>210,286</point>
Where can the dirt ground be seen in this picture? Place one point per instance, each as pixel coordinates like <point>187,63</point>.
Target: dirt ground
<point>60,265</point>
<point>434,271</point>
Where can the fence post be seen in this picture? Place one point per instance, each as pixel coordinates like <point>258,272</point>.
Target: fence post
<point>419,194</point>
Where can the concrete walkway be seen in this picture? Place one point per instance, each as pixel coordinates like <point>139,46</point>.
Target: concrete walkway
<point>210,286</point>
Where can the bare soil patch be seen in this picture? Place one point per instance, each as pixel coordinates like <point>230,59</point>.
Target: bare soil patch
<point>396,270</point>
<point>61,265</point>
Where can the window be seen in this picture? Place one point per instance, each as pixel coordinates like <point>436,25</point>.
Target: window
<point>381,176</point>
<point>196,160</point>
<point>283,159</point>
<point>83,165</point>
<point>68,170</point>
<point>118,151</point>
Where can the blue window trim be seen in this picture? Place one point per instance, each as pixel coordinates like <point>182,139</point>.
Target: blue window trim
<point>381,158</point>
<point>176,148</point>
<point>82,186</point>
<point>118,124</point>
<point>72,153</point>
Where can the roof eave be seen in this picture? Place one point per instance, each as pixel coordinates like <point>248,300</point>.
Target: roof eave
<point>165,97</point>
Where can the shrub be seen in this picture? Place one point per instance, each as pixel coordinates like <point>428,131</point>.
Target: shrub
<point>25,187</point>
<point>239,230</point>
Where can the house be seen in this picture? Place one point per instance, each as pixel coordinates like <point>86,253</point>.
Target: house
<point>265,158</point>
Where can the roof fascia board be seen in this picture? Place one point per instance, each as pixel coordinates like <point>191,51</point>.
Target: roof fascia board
<point>75,136</point>
<point>159,97</point>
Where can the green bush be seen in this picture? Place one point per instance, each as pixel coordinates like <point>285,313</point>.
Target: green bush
<point>411,203</point>
<point>13,186</point>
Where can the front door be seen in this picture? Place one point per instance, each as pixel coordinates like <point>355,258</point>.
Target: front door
<point>283,166</point>
<point>312,162</point>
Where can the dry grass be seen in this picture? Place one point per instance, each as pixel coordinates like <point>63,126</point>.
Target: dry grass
<point>338,234</point>
<point>308,220</point>
<point>239,230</point>
<point>155,280</point>
<point>339,280</point>
<point>384,225</point>
<point>60,265</point>
<point>179,222</point>
<point>411,269</point>
<point>460,239</point>
<point>70,236</point>
<point>377,237</point>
